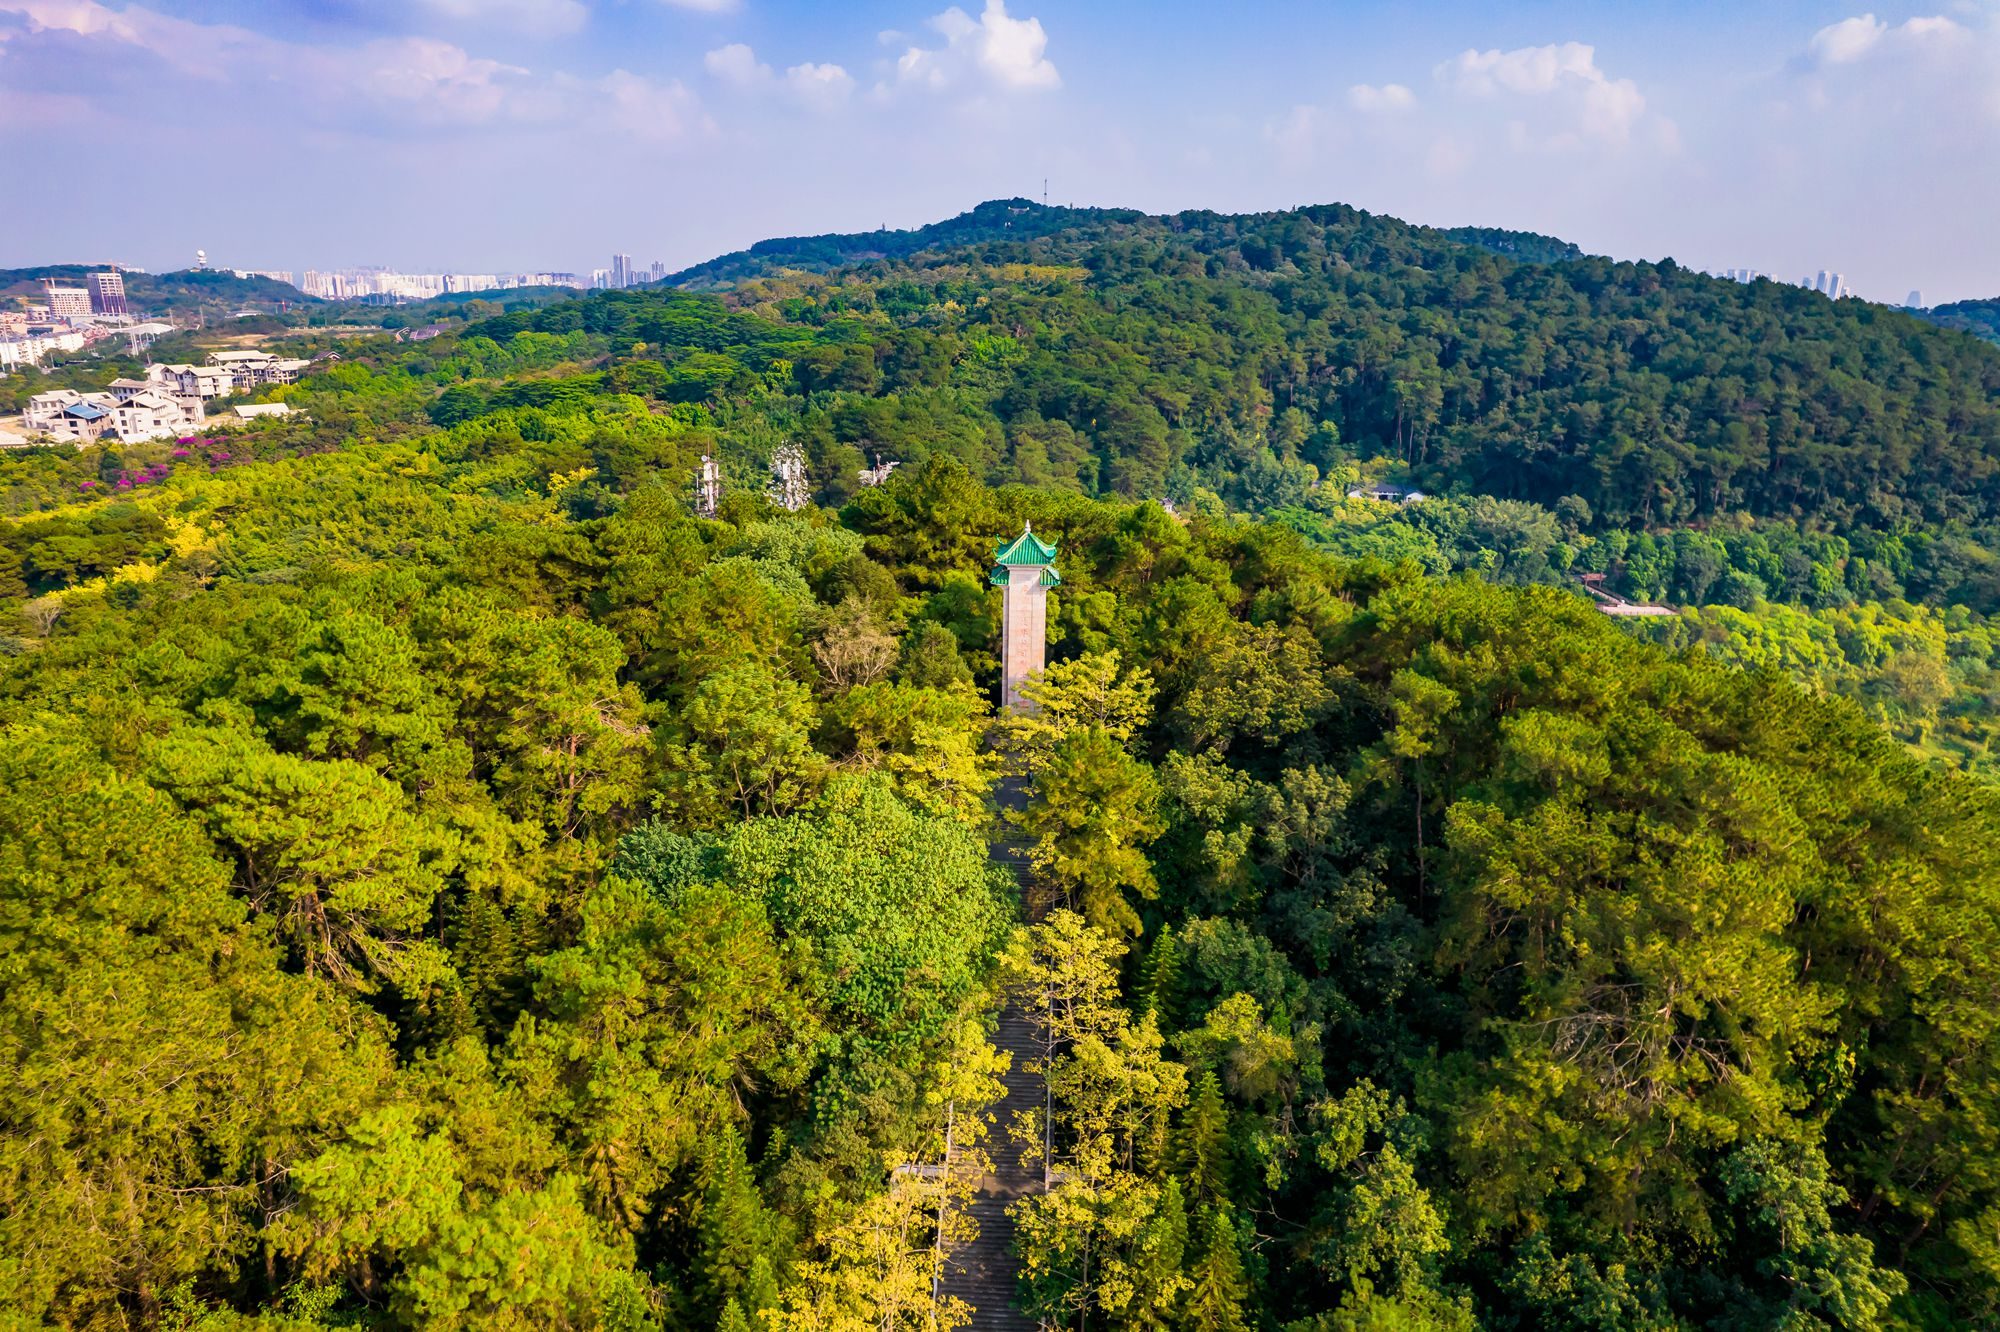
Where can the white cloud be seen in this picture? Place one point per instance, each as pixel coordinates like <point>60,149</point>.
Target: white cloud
<point>1849,39</point>
<point>702,6</point>
<point>1529,69</point>
<point>1389,97</point>
<point>198,49</point>
<point>815,84</point>
<point>536,18</point>
<point>736,64</point>
<point>1007,52</point>
<point>1575,98</point>
<point>437,78</point>
<point>1927,81</point>
<point>384,87</point>
<point>819,84</point>
<point>649,110</point>
<point>1857,38</point>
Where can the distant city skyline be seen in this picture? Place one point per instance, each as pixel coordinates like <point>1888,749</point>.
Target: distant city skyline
<point>481,135</point>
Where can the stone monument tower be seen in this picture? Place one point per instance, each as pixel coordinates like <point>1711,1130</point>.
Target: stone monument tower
<point>1026,567</point>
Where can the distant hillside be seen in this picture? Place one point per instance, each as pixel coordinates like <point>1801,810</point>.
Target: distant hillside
<point>999,220</point>
<point>1114,351</point>
<point>1018,221</point>
<point>1528,246</point>
<point>181,292</point>
<point>1979,318</point>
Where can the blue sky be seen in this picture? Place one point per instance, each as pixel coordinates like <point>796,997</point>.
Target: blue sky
<point>483,135</point>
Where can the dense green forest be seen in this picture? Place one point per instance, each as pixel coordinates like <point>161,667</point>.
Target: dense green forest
<point>446,882</point>
<point>1981,318</point>
<point>1013,221</point>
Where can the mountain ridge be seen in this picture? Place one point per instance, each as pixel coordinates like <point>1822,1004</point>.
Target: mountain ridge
<point>1020,220</point>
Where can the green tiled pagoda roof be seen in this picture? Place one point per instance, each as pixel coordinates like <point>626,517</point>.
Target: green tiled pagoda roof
<point>1026,548</point>
<point>1001,576</point>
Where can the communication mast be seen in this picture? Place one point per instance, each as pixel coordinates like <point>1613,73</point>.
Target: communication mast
<point>876,475</point>
<point>707,487</point>
<point>788,489</point>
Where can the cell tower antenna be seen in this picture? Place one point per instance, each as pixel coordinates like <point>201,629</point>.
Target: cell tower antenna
<point>789,488</point>
<point>708,487</point>
<point>1045,191</point>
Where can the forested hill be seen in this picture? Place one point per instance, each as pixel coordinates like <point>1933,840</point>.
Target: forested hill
<point>997,220</point>
<point>1016,220</point>
<point>1116,352</point>
<point>1980,318</point>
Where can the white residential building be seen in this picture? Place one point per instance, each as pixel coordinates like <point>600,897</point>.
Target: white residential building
<point>30,350</point>
<point>249,369</point>
<point>155,416</point>
<point>67,414</point>
<point>131,416</point>
<point>202,382</point>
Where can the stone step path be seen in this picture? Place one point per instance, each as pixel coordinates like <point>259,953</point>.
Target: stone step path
<point>983,1273</point>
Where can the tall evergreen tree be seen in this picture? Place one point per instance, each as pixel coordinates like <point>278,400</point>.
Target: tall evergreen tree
<point>1219,1288</point>
<point>1203,1149</point>
<point>1158,990</point>
<point>734,1230</point>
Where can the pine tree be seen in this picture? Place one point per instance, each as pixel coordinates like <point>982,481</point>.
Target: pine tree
<point>487,953</point>
<point>733,1230</point>
<point>1215,1304</point>
<point>1160,981</point>
<point>1203,1149</point>
<point>1158,1254</point>
<point>760,1290</point>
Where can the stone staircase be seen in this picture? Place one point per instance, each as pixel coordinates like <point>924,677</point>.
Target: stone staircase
<point>982,1273</point>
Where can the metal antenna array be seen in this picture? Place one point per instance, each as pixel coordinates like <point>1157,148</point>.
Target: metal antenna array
<point>789,489</point>
<point>707,487</point>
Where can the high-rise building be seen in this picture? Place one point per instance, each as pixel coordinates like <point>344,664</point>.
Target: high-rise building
<point>1832,285</point>
<point>1916,301</point>
<point>107,293</point>
<point>68,302</point>
<point>621,271</point>
<point>659,271</point>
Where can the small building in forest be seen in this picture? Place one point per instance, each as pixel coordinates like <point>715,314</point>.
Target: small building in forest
<point>1384,493</point>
